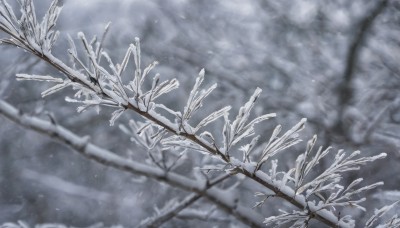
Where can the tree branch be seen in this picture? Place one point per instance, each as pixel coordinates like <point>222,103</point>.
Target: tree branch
<point>108,158</point>
<point>324,215</point>
<point>174,211</point>
<point>345,89</point>
<point>110,91</point>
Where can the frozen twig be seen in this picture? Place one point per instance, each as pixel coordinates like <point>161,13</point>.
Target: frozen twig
<point>173,211</point>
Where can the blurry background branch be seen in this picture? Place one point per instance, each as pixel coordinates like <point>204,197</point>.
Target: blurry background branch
<point>174,210</point>
<point>107,158</point>
<point>345,87</point>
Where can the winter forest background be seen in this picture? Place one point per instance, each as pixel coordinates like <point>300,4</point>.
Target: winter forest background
<point>332,62</point>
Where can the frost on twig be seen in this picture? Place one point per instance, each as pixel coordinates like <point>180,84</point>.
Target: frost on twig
<point>148,135</point>
<point>329,179</point>
<point>295,219</point>
<point>144,134</point>
<point>46,78</point>
<point>323,191</point>
<point>27,28</point>
<point>195,102</point>
<point>171,208</point>
<point>240,129</point>
<point>277,144</point>
<point>391,223</point>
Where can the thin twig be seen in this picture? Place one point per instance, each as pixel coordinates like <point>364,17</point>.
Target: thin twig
<point>174,211</point>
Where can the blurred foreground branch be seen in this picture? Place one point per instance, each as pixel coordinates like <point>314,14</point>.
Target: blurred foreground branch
<point>108,158</point>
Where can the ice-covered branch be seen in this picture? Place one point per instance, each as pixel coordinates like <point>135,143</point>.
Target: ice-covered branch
<point>108,158</point>
<point>100,83</point>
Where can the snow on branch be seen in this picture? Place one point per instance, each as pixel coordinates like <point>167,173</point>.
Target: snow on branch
<point>108,158</point>
<point>46,78</point>
<point>100,82</point>
<point>22,224</point>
